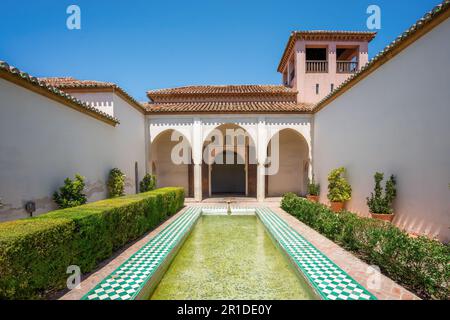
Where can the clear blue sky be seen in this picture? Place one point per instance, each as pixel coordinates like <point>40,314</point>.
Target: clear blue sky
<point>149,44</point>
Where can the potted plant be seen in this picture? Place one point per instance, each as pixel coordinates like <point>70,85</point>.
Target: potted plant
<point>380,205</point>
<point>339,190</point>
<point>313,191</point>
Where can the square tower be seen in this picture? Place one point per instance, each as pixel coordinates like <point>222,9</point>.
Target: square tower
<point>317,62</point>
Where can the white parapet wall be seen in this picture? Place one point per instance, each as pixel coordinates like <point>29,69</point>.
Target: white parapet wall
<point>42,142</point>
<point>396,121</point>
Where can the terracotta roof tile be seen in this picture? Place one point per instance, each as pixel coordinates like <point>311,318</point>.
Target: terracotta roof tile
<point>69,83</point>
<point>226,89</point>
<point>229,107</point>
<point>317,35</point>
<point>22,78</point>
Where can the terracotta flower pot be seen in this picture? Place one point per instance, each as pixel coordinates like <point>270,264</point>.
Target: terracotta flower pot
<point>383,217</point>
<point>337,206</point>
<point>312,198</point>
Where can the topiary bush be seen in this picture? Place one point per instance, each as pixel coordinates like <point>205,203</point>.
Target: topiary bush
<point>313,188</point>
<point>148,183</point>
<point>71,194</point>
<point>339,190</point>
<point>421,264</point>
<point>382,203</point>
<point>35,252</point>
<point>116,183</point>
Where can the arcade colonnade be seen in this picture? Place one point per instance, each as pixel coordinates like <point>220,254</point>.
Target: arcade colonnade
<point>292,133</point>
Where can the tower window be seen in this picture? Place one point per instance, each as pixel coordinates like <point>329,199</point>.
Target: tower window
<point>317,88</point>
<point>332,87</point>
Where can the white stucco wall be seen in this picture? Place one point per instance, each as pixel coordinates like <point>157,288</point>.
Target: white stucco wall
<point>42,142</point>
<point>396,121</point>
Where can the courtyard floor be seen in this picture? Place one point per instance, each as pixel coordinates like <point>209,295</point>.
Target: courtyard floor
<point>387,289</point>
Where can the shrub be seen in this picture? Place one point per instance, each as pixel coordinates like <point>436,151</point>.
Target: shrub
<point>379,203</point>
<point>313,188</point>
<point>339,190</point>
<point>148,183</point>
<point>35,252</point>
<point>71,194</point>
<point>421,264</point>
<point>116,183</point>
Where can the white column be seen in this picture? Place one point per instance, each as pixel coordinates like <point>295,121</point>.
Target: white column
<point>197,146</point>
<point>261,159</point>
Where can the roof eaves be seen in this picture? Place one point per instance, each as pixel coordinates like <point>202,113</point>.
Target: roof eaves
<point>19,77</point>
<point>430,20</point>
<point>369,36</point>
<point>93,85</point>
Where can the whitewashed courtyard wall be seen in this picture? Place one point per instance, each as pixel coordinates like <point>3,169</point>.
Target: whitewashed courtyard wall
<point>43,142</point>
<point>396,121</point>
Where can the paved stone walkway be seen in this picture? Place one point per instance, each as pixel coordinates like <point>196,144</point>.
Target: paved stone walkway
<point>356,268</point>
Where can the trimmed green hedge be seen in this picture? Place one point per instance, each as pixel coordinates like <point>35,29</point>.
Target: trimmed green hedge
<point>35,252</point>
<point>421,264</point>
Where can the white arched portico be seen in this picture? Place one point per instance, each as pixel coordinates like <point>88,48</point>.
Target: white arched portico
<point>260,130</point>
<point>229,149</point>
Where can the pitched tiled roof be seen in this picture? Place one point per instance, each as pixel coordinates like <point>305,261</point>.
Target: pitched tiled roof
<point>72,84</point>
<point>218,92</point>
<point>69,82</point>
<point>430,20</point>
<point>23,79</point>
<point>317,35</point>
<point>227,89</point>
<point>229,107</point>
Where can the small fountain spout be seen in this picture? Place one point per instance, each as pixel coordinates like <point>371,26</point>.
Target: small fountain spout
<point>229,207</point>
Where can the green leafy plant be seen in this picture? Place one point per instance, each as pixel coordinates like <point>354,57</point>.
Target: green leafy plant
<point>71,194</point>
<point>313,188</point>
<point>339,190</point>
<point>382,203</point>
<point>116,183</point>
<point>420,264</point>
<point>35,252</point>
<point>148,183</point>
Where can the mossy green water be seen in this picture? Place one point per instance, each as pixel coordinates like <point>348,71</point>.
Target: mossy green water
<point>231,257</point>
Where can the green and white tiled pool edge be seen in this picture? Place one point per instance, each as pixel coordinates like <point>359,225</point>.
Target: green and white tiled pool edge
<point>133,281</point>
<point>328,280</point>
<point>142,271</point>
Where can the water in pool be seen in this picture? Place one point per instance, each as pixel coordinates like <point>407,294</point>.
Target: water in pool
<point>231,257</point>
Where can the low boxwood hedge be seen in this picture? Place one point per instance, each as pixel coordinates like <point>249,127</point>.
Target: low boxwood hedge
<point>420,264</point>
<point>35,252</point>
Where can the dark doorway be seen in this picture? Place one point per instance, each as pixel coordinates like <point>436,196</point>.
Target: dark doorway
<point>228,178</point>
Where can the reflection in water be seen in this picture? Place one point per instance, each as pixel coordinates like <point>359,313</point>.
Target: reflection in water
<point>231,257</point>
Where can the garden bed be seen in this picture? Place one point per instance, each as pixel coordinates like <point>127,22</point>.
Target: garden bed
<point>36,252</point>
<point>420,264</point>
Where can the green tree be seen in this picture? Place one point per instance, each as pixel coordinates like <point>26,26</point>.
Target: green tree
<point>71,194</point>
<point>339,190</point>
<point>313,187</point>
<point>116,183</point>
<point>148,183</point>
<point>379,202</point>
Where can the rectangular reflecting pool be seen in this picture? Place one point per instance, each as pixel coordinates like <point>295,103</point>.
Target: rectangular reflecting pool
<point>207,254</point>
<point>231,257</point>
